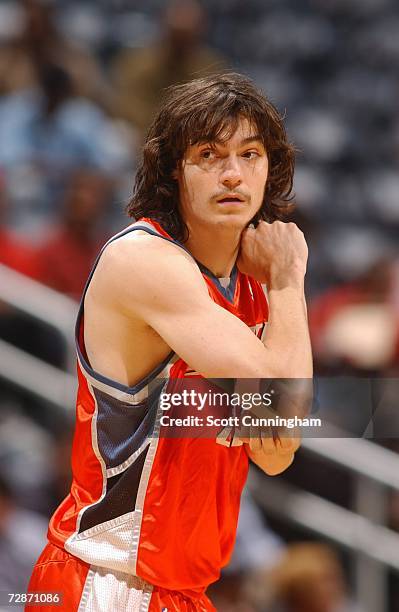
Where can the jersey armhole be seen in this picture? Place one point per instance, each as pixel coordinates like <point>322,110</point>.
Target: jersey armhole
<point>79,327</point>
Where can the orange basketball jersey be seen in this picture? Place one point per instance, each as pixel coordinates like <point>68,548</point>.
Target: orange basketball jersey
<point>159,508</point>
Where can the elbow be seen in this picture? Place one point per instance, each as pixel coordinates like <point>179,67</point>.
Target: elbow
<point>276,469</point>
<point>271,464</point>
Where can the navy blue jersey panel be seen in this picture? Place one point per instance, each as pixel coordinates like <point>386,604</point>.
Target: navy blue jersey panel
<point>121,427</point>
<point>229,291</point>
<point>120,497</point>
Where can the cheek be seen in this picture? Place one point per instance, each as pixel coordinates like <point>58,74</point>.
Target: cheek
<point>260,178</point>
<point>257,172</point>
<point>257,180</point>
<point>185,186</point>
<point>199,185</point>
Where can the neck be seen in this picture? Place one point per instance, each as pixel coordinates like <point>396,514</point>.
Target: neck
<point>215,249</point>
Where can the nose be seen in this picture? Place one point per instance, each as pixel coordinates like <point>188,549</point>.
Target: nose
<point>231,173</point>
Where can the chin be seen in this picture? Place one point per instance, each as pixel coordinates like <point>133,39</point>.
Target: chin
<point>233,221</point>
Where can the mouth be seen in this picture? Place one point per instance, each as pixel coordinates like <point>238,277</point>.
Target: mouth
<point>230,198</point>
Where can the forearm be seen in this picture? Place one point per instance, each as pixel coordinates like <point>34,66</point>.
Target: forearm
<point>277,254</point>
<point>287,336</point>
<point>289,354</point>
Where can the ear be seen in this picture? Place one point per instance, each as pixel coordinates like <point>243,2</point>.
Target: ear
<point>175,174</point>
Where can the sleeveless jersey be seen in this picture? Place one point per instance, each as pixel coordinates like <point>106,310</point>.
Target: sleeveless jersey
<point>160,508</point>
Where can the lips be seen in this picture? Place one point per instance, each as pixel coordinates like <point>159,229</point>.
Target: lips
<point>230,198</point>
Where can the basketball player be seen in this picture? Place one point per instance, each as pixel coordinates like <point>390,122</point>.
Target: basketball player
<point>151,520</point>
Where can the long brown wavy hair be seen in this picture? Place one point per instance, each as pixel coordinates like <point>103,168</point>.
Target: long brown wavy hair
<point>206,110</point>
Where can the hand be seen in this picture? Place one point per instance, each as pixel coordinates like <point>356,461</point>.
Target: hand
<point>273,441</point>
<point>274,253</point>
<point>272,449</point>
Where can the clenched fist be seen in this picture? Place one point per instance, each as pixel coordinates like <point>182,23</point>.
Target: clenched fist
<point>274,253</point>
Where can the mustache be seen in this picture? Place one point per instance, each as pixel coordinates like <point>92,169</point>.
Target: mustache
<point>222,194</point>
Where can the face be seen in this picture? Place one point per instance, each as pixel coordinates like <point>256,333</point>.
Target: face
<point>222,184</point>
<point>86,198</point>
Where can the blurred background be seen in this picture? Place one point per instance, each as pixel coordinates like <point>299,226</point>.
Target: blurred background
<point>79,84</point>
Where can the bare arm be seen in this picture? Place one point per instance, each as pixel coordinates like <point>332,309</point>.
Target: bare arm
<point>277,255</point>
<point>155,282</point>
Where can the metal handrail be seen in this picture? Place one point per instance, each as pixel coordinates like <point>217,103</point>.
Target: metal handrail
<point>327,519</point>
<point>39,378</point>
<point>359,456</point>
<point>41,303</point>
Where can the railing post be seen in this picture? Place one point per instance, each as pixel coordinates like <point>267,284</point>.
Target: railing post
<point>370,576</point>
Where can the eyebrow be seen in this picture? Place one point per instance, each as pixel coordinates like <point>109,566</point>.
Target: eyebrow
<point>243,142</point>
<point>254,138</point>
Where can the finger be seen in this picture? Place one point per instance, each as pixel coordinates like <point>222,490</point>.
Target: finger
<point>255,441</point>
<point>268,441</point>
<point>288,440</point>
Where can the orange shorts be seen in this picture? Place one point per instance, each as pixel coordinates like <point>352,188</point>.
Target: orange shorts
<point>85,588</point>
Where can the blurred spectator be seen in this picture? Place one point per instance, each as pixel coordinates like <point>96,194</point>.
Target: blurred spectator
<point>257,549</point>
<point>14,252</point>
<point>257,546</point>
<point>67,254</point>
<point>45,134</point>
<point>40,42</point>
<point>309,578</point>
<point>53,128</point>
<point>178,56</point>
<point>22,535</point>
<point>355,326</point>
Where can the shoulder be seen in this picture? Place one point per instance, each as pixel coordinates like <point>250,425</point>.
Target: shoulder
<point>139,265</point>
<point>145,252</point>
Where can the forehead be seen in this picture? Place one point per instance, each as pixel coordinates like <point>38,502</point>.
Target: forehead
<point>243,131</point>
<point>231,132</point>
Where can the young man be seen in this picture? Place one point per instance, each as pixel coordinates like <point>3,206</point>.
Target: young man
<point>151,519</point>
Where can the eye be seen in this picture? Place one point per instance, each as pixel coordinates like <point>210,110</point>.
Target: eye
<point>250,154</point>
<point>208,154</point>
